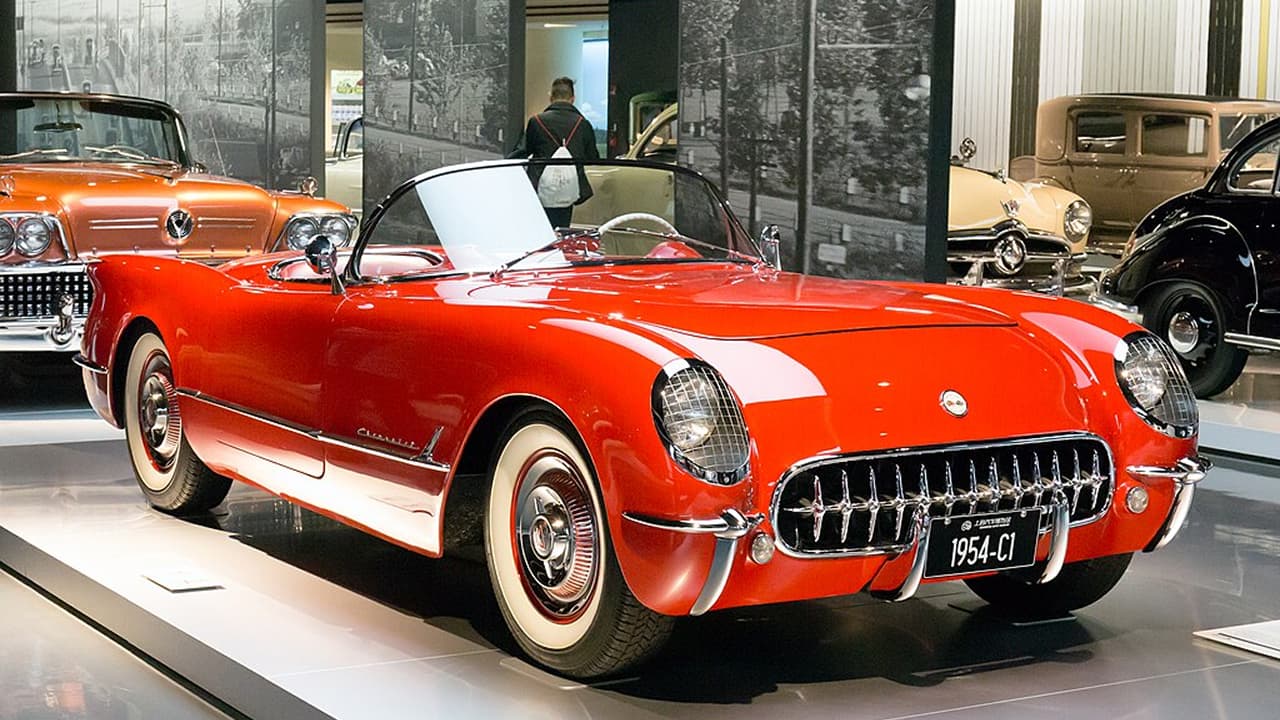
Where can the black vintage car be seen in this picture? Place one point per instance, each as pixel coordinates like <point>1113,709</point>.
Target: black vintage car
<point>1204,267</point>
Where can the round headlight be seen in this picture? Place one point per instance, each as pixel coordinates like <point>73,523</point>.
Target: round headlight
<point>699,420</point>
<point>6,237</point>
<point>1011,253</point>
<point>1078,220</point>
<point>1153,382</point>
<point>337,229</point>
<point>301,232</point>
<point>33,237</point>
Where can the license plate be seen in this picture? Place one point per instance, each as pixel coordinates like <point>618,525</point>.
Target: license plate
<point>981,543</point>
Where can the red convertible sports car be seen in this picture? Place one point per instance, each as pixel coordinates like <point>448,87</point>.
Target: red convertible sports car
<point>640,417</point>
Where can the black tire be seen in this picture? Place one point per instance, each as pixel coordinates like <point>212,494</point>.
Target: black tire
<point>171,476</point>
<point>1211,363</point>
<point>1077,585</point>
<point>569,608</point>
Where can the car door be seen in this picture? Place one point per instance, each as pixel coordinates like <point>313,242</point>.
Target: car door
<point>1173,152</point>
<point>1251,203</point>
<point>1100,157</point>
<point>268,366</point>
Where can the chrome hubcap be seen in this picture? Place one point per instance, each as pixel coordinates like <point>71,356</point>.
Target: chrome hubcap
<point>158,417</point>
<point>556,536</point>
<point>1184,332</point>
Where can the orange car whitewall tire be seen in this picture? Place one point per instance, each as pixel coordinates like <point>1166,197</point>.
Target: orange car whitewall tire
<point>547,548</point>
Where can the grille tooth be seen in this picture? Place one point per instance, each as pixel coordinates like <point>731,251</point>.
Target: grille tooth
<point>1002,477</point>
<point>34,296</point>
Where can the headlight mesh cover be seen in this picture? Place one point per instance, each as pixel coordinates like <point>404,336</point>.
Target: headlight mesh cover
<point>1176,410</point>
<point>697,390</point>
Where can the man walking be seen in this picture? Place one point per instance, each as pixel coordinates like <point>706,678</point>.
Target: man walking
<point>558,132</point>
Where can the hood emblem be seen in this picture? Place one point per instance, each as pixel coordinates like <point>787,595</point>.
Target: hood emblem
<point>954,403</point>
<point>179,224</point>
<point>1011,207</point>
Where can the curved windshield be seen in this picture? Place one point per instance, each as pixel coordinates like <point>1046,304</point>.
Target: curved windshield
<point>60,130</point>
<point>517,215</point>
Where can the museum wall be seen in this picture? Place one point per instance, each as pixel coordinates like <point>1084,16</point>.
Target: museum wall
<point>238,71</point>
<point>741,80</point>
<point>1084,46</point>
<point>642,59</point>
<point>438,85</point>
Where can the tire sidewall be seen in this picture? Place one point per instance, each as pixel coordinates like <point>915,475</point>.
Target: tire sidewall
<point>160,487</point>
<point>561,646</point>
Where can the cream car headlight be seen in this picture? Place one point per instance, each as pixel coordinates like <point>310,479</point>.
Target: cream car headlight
<point>1153,382</point>
<point>33,237</point>
<point>699,421</point>
<point>1078,220</point>
<point>6,237</point>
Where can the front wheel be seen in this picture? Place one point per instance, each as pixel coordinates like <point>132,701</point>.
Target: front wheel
<point>167,469</point>
<point>1191,319</point>
<point>1077,585</point>
<point>550,561</point>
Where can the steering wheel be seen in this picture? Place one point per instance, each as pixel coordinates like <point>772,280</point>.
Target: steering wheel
<point>614,222</point>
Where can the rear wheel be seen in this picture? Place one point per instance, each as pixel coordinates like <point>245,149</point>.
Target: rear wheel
<point>1190,317</point>
<point>167,469</point>
<point>550,561</point>
<point>1077,585</point>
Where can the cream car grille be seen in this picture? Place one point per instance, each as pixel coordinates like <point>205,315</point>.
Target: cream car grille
<point>35,296</point>
<point>867,504</point>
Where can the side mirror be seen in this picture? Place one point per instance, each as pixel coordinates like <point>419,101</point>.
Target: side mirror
<point>771,246</point>
<point>322,256</point>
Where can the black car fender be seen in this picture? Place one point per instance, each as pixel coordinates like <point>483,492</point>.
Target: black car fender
<point>1203,249</point>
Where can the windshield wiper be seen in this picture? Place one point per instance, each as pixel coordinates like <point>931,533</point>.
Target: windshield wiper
<point>128,153</point>
<point>556,244</point>
<point>36,152</point>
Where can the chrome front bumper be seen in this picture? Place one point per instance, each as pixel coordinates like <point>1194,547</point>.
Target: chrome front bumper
<point>60,335</point>
<point>1066,277</point>
<point>42,307</point>
<point>1186,473</point>
<point>1124,310</point>
<point>728,529</point>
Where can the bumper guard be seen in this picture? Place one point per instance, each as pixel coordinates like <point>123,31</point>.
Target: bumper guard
<point>1185,473</point>
<point>728,529</point>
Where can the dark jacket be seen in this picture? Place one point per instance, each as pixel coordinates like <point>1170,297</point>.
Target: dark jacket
<point>560,118</point>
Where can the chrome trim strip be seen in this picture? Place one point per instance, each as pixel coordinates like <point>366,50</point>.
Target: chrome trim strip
<point>89,365</point>
<point>1060,531</point>
<point>1252,341</point>
<point>727,529</point>
<point>37,267</point>
<point>311,433</point>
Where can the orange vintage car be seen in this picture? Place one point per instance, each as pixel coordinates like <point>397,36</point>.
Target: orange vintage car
<point>83,176</point>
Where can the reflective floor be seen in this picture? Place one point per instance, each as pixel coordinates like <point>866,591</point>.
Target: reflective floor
<point>359,628</point>
<point>54,666</point>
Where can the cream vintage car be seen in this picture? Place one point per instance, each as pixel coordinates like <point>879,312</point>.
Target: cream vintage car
<point>1016,235</point>
<point>344,170</point>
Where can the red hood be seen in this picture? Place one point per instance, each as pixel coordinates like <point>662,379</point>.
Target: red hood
<point>746,304</point>
<point>117,208</point>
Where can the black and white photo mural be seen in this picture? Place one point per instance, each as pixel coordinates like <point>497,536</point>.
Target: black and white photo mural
<point>437,78</point>
<point>237,70</point>
<point>832,144</point>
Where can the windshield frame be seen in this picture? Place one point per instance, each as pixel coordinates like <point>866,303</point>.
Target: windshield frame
<point>350,274</point>
<point>182,148</point>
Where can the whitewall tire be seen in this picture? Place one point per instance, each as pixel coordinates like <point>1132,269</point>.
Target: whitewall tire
<point>550,560</point>
<point>167,469</point>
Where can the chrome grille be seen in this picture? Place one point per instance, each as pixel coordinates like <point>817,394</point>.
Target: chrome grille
<point>34,296</point>
<point>867,504</point>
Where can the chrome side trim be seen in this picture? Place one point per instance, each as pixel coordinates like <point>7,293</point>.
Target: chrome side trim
<point>727,529</point>
<point>1252,341</point>
<point>313,433</point>
<point>89,365</point>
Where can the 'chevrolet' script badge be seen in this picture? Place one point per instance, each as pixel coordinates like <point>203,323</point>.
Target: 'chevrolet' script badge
<point>179,224</point>
<point>954,403</point>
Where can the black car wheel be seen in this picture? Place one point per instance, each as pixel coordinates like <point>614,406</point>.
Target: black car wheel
<point>1190,318</point>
